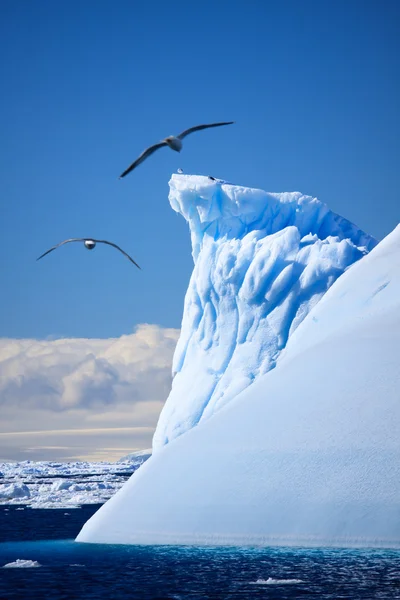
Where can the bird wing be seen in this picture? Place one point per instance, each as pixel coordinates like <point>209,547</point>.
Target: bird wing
<point>200,127</point>
<point>143,157</point>
<point>61,244</point>
<point>118,248</point>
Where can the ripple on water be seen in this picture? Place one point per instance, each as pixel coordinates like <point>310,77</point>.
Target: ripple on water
<point>73,570</point>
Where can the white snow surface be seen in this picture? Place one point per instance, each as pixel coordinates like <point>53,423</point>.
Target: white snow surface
<point>64,485</point>
<point>262,261</point>
<point>308,454</point>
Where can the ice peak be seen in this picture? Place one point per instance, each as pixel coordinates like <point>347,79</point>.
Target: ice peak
<point>213,207</point>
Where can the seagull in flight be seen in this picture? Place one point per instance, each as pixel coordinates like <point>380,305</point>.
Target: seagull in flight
<point>174,142</point>
<point>89,243</point>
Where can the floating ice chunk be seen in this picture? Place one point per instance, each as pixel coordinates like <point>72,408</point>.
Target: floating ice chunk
<point>272,581</point>
<point>22,563</point>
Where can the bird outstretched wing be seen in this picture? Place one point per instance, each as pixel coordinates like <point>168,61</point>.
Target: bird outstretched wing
<point>61,244</point>
<point>118,248</point>
<point>200,127</point>
<point>148,152</point>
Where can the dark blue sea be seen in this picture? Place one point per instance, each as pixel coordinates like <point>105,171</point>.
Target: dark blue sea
<point>71,570</point>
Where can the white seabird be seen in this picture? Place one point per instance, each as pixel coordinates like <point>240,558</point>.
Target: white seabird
<point>89,243</point>
<point>174,142</point>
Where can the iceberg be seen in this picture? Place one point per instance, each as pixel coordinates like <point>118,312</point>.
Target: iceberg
<point>282,423</point>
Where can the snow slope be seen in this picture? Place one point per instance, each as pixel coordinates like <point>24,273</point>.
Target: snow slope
<point>262,261</point>
<point>308,454</point>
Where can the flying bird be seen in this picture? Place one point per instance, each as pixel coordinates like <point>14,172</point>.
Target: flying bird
<point>174,142</point>
<point>89,243</point>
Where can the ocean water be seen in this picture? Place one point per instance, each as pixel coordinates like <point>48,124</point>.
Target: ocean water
<point>69,570</point>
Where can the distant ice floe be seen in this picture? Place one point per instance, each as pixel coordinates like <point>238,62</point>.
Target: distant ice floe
<point>139,456</point>
<point>65,485</point>
<point>20,563</point>
<point>272,581</point>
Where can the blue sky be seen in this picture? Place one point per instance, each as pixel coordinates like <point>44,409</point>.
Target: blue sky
<point>86,86</point>
<point>314,89</point>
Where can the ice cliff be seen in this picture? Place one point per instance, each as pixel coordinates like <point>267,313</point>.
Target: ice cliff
<point>262,262</point>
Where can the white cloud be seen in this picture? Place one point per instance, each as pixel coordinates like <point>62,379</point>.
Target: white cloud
<point>77,384</point>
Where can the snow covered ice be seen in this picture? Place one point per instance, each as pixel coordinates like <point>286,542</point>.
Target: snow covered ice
<point>14,490</point>
<point>282,424</point>
<point>65,485</point>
